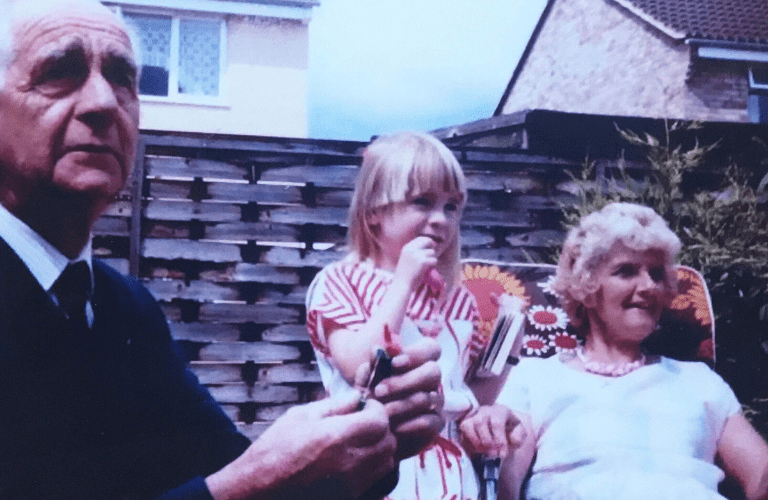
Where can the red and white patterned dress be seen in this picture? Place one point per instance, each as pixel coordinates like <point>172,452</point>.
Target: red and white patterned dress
<point>344,295</point>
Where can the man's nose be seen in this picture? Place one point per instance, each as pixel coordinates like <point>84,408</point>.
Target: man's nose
<point>98,104</point>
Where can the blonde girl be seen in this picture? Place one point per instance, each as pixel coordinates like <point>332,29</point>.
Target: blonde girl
<point>404,225</point>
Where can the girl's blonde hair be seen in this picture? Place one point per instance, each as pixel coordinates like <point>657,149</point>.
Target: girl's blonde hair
<point>588,245</point>
<point>397,168</point>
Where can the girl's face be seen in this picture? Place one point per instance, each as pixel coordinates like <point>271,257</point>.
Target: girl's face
<point>631,292</point>
<point>433,213</point>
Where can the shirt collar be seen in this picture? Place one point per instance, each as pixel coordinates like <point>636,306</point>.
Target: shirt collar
<point>44,261</point>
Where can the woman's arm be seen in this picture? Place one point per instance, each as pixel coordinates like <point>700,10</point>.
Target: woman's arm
<point>514,469</point>
<point>744,455</point>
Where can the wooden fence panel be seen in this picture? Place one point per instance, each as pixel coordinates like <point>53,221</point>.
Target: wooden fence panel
<point>232,230</point>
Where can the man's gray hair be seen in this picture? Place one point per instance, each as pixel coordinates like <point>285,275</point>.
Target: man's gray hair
<point>14,10</point>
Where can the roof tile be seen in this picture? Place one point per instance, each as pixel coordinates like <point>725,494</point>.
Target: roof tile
<point>743,21</point>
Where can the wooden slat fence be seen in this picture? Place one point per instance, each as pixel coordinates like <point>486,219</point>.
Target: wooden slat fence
<point>227,233</point>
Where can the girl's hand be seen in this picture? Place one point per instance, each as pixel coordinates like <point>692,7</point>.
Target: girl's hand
<point>416,259</point>
<point>492,430</point>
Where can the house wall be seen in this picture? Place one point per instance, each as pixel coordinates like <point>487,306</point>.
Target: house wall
<point>265,85</point>
<point>592,56</point>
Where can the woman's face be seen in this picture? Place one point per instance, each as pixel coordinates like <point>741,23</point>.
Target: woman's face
<point>631,294</point>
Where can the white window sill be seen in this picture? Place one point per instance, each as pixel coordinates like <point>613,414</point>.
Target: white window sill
<point>210,102</point>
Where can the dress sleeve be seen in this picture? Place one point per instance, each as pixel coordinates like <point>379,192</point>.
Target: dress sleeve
<point>333,302</point>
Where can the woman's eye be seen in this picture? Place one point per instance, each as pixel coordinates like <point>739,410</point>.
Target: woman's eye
<point>656,274</point>
<point>421,201</point>
<point>451,207</point>
<point>626,270</point>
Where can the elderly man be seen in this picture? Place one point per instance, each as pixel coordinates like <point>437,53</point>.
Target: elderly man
<point>95,402</point>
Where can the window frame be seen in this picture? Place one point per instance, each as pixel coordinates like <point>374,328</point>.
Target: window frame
<point>757,99</point>
<point>173,72</point>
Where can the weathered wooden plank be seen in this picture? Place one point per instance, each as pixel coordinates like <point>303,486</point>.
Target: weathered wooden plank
<point>204,332</point>
<point>254,430</point>
<point>112,226</point>
<point>516,160</point>
<point>271,412</point>
<point>340,176</point>
<point>296,296</point>
<point>252,231</point>
<point>191,210</point>
<point>504,181</point>
<point>258,352</point>
<point>259,393</point>
<point>280,147</point>
<point>292,258</point>
<point>260,273</point>
<point>169,189</point>
<point>502,218</point>
<point>217,373</point>
<point>204,251</point>
<point>202,291</point>
<point>289,373</point>
<point>504,254</point>
<point>232,411</point>
<point>540,238</point>
<point>306,215</point>
<point>334,198</point>
<point>165,166</point>
<point>475,238</point>
<point>120,265</point>
<point>286,333</point>
<point>260,193</point>
<point>172,312</point>
<point>241,313</point>
<point>121,208</point>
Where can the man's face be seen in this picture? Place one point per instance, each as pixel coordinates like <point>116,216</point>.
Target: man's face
<point>69,109</point>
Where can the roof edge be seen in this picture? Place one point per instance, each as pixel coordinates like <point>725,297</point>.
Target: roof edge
<point>670,32</point>
<point>524,57</point>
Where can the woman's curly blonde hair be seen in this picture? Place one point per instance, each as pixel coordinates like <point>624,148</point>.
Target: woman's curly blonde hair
<point>588,245</point>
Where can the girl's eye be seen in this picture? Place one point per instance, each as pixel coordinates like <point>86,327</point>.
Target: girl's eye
<point>451,207</point>
<point>421,201</point>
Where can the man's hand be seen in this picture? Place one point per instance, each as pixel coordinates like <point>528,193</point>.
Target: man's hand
<point>319,450</point>
<point>493,430</point>
<point>412,397</point>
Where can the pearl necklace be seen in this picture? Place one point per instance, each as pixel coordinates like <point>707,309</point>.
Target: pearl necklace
<point>609,370</point>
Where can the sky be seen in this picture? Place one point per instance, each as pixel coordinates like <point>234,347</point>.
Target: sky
<point>379,66</point>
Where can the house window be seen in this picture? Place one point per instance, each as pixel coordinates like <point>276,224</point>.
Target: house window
<point>181,56</point>
<point>757,100</point>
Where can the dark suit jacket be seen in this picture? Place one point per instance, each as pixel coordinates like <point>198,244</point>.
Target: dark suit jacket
<point>110,413</point>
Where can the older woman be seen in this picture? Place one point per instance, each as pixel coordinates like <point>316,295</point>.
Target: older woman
<point>609,421</point>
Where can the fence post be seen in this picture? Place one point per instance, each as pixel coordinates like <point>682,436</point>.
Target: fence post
<point>137,191</point>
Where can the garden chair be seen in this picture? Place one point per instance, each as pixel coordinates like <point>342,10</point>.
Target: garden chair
<point>688,326</point>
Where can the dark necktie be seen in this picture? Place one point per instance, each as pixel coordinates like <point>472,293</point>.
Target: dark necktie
<point>73,290</point>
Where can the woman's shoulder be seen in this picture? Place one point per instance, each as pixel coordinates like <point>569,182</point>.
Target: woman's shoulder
<point>695,373</point>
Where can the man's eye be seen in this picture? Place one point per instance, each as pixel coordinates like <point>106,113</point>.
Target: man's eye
<point>120,74</point>
<point>61,74</point>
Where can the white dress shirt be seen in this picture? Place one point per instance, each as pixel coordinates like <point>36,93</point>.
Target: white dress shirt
<point>44,261</point>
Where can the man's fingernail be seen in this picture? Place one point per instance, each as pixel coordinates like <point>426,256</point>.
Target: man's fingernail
<point>381,390</point>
